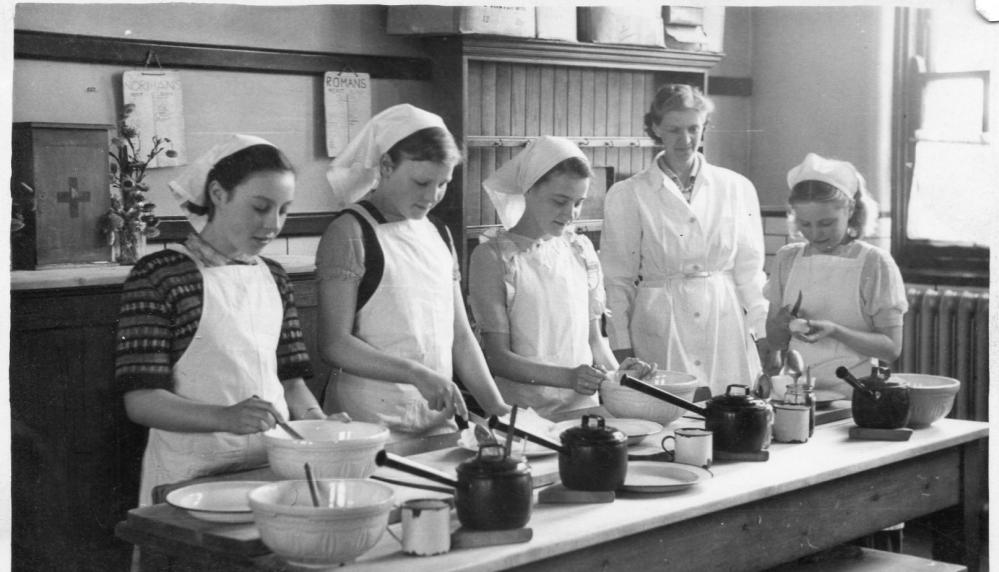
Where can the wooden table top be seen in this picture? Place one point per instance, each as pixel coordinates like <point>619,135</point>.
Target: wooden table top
<point>558,529</point>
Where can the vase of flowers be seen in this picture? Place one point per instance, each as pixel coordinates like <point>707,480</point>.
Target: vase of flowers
<point>130,220</point>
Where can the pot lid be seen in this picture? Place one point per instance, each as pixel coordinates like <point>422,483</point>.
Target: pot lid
<point>592,430</point>
<point>491,461</point>
<point>737,397</point>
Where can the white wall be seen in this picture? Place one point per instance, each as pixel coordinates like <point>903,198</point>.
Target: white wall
<point>820,83</point>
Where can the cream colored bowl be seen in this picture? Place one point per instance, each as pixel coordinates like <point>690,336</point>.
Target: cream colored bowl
<point>931,397</point>
<point>352,518</point>
<point>333,449</point>
<point>626,402</point>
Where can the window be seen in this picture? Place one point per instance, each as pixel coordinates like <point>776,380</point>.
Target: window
<point>946,160</point>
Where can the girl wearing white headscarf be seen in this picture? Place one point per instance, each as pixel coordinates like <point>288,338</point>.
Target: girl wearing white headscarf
<point>392,316</point>
<point>852,295</point>
<point>536,288</point>
<point>210,350</point>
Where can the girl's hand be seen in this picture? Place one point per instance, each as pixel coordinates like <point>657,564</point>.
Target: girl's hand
<point>441,394</point>
<point>249,416</point>
<point>817,329</point>
<point>784,317</point>
<point>585,379</point>
<point>637,368</point>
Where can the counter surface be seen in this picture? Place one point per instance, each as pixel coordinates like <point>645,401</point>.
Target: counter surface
<point>829,456</point>
<point>111,274</point>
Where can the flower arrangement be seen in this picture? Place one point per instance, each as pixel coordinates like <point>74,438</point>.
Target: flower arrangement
<point>130,220</point>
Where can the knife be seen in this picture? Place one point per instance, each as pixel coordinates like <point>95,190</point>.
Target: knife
<point>797,305</point>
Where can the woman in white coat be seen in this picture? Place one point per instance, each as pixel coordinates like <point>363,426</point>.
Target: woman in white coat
<point>682,253</point>
<point>536,288</point>
<point>392,316</point>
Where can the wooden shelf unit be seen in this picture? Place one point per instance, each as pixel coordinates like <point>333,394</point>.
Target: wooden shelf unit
<point>496,94</point>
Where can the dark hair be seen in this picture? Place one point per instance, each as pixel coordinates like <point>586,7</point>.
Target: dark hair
<point>573,166</point>
<point>675,97</point>
<point>233,169</point>
<point>812,191</point>
<point>429,144</point>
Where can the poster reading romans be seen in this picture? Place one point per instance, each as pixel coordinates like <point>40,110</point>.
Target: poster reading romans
<point>348,107</point>
<point>157,110</point>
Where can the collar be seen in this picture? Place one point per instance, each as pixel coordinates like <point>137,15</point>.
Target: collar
<point>210,257</point>
<point>694,171</point>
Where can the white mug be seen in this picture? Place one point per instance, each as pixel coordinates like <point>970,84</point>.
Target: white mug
<point>426,526</point>
<point>692,446</point>
<point>791,422</point>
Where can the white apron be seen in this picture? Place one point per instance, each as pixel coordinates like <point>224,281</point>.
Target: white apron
<point>548,308</point>
<point>232,356</point>
<point>830,290</point>
<point>410,315</point>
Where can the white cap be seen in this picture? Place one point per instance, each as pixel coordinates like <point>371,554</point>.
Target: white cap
<point>506,186</point>
<point>190,186</point>
<point>355,171</point>
<point>839,174</point>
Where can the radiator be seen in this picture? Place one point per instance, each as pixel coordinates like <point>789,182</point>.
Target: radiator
<point>947,333</point>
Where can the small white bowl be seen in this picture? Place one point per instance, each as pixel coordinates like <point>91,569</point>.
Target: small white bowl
<point>352,519</point>
<point>333,449</point>
<point>931,397</point>
<point>626,402</point>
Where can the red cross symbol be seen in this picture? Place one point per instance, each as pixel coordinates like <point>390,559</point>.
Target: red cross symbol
<point>74,197</point>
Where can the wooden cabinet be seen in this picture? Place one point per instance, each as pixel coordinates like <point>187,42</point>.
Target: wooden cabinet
<point>75,456</point>
<point>497,93</point>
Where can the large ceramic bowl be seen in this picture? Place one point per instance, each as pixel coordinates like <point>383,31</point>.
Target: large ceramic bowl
<point>626,402</point>
<point>351,519</point>
<point>931,397</point>
<point>333,449</point>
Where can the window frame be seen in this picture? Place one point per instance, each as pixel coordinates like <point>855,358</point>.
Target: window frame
<point>922,261</point>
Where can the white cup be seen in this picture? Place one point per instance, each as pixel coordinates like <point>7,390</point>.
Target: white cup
<point>426,526</point>
<point>692,446</point>
<point>791,422</point>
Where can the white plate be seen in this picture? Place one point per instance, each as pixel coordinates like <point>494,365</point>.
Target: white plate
<point>635,429</point>
<point>825,397</point>
<point>659,477</point>
<point>530,450</point>
<point>220,501</point>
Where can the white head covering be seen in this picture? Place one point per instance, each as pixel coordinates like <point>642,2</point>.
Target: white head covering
<point>842,175</point>
<point>839,174</point>
<point>190,186</point>
<point>506,186</point>
<point>355,171</point>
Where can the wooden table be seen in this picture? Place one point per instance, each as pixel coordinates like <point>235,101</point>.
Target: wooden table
<point>750,516</point>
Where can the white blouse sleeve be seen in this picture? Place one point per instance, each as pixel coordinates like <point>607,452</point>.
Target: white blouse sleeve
<point>620,257</point>
<point>882,290</point>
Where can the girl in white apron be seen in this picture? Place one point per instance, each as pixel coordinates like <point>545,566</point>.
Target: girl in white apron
<point>392,316</point>
<point>853,297</point>
<point>536,289</point>
<point>210,350</point>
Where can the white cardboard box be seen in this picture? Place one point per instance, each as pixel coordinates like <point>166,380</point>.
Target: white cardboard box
<point>638,25</point>
<point>556,23</point>
<point>445,20</point>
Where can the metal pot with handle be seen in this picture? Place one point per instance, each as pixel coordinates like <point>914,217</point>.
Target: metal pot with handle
<point>878,403</point>
<point>591,457</point>
<point>493,491</point>
<point>740,422</point>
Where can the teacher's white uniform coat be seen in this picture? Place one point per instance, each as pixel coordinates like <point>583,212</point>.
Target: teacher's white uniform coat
<point>685,280</point>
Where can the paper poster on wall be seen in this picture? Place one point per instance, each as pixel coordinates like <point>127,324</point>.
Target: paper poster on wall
<point>157,102</point>
<point>347,98</point>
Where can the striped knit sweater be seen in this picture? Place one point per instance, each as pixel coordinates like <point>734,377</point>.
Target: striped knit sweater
<point>160,312</point>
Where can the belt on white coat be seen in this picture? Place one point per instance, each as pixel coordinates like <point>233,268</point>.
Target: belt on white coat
<point>660,281</point>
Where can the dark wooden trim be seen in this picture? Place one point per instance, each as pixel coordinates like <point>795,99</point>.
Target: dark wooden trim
<point>134,53</point>
<point>735,86</point>
<point>176,228</point>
